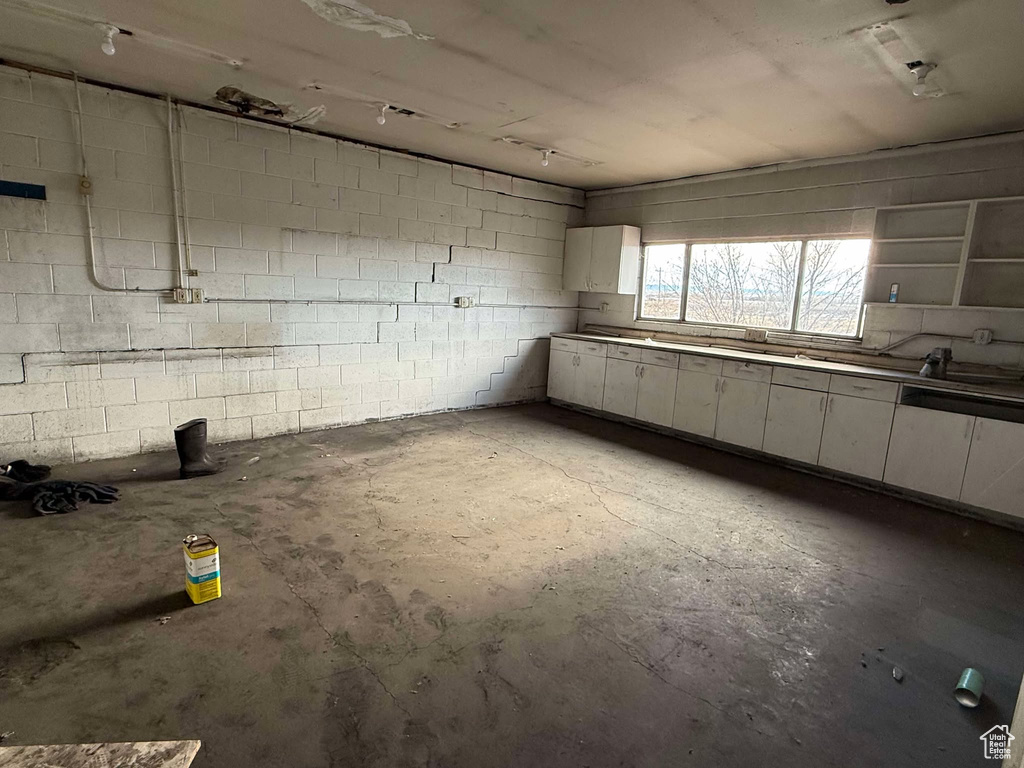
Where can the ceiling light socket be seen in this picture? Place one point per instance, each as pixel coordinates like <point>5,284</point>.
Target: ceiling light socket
<point>109,33</point>
<point>922,87</point>
<point>381,118</point>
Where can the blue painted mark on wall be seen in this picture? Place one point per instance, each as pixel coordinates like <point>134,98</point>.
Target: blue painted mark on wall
<point>18,189</point>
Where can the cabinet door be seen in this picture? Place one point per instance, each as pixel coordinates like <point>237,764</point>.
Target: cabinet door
<point>742,409</point>
<point>621,382</point>
<point>696,403</point>
<point>856,436</point>
<point>561,375</point>
<point>793,426</point>
<point>576,266</point>
<point>629,260</point>
<point>656,395</point>
<point>928,450</point>
<point>605,257</point>
<point>589,390</point>
<point>995,467</point>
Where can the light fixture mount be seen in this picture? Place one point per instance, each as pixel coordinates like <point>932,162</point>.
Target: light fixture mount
<point>109,33</point>
<point>921,70</point>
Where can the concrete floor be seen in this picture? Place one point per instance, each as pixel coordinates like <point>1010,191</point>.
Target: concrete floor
<point>514,587</point>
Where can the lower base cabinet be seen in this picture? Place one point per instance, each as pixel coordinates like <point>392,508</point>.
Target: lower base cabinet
<point>696,406</point>
<point>855,437</point>
<point>928,451</point>
<point>621,384</point>
<point>794,422</point>
<point>656,398</point>
<point>742,409</point>
<point>589,385</point>
<point>995,467</point>
<point>856,427</point>
<point>576,378</point>
<point>561,374</point>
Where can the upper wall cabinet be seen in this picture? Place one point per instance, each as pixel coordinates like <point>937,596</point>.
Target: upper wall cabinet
<point>601,259</point>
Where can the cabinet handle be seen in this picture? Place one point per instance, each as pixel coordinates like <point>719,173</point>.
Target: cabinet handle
<point>642,369</point>
<point>636,371</point>
<point>831,402</point>
<point>723,385</point>
<point>717,382</point>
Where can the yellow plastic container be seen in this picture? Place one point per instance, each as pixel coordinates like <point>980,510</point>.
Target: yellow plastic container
<point>202,567</point>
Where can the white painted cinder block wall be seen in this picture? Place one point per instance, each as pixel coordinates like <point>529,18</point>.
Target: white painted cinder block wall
<point>346,260</point>
<point>830,197</point>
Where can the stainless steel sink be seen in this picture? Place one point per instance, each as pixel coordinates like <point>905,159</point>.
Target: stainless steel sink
<point>954,402</point>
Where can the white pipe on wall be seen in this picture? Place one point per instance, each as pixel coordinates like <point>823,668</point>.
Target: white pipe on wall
<point>175,193</point>
<point>86,193</point>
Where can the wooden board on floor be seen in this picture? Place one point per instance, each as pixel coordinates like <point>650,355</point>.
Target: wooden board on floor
<point>1016,758</point>
<point>137,754</point>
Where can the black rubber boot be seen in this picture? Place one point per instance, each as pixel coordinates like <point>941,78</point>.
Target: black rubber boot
<point>190,440</point>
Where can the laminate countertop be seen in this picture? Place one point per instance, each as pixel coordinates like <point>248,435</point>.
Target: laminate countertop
<point>995,390</point>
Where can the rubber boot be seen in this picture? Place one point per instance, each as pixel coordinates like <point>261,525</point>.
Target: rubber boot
<point>190,440</point>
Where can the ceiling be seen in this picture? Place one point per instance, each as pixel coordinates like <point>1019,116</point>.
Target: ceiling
<point>630,92</point>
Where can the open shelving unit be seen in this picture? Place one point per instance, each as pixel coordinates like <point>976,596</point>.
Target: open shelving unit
<point>967,253</point>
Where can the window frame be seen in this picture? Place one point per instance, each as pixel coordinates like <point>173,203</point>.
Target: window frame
<point>801,266</point>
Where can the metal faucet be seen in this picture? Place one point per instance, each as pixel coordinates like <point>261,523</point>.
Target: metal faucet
<point>935,363</point>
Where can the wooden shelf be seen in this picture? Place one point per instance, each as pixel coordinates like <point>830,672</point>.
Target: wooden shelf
<point>950,254</point>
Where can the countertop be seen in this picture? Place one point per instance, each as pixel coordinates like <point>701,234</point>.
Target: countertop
<point>1007,391</point>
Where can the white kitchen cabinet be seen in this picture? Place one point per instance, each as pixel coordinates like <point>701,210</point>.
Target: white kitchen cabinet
<point>928,451</point>
<point>561,374</point>
<point>794,421</point>
<point>579,243</point>
<point>576,372</point>
<point>742,410</point>
<point>589,386</point>
<point>656,396</point>
<point>855,437</point>
<point>601,259</point>
<point>842,422</point>
<point>696,406</point>
<point>995,467</point>
<point>621,386</point>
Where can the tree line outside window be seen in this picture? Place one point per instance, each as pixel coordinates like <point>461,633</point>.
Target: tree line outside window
<point>806,285</point>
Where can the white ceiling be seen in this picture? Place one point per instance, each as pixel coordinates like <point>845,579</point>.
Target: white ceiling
<point>647,90</point>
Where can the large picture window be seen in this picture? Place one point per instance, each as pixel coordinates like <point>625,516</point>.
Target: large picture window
<point>805,286</point>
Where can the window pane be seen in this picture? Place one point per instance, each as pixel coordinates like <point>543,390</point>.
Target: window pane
<point>830,300</point>
<point>750,284</point>
<point>663,280</point>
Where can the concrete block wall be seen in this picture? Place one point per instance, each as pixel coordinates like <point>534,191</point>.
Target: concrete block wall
<point>827,198</point>
<point>329,269</point>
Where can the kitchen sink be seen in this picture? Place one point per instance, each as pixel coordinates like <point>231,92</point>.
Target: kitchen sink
<point>954,402</point>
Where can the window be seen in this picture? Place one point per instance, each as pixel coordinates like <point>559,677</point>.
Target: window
<point>807,286</point>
